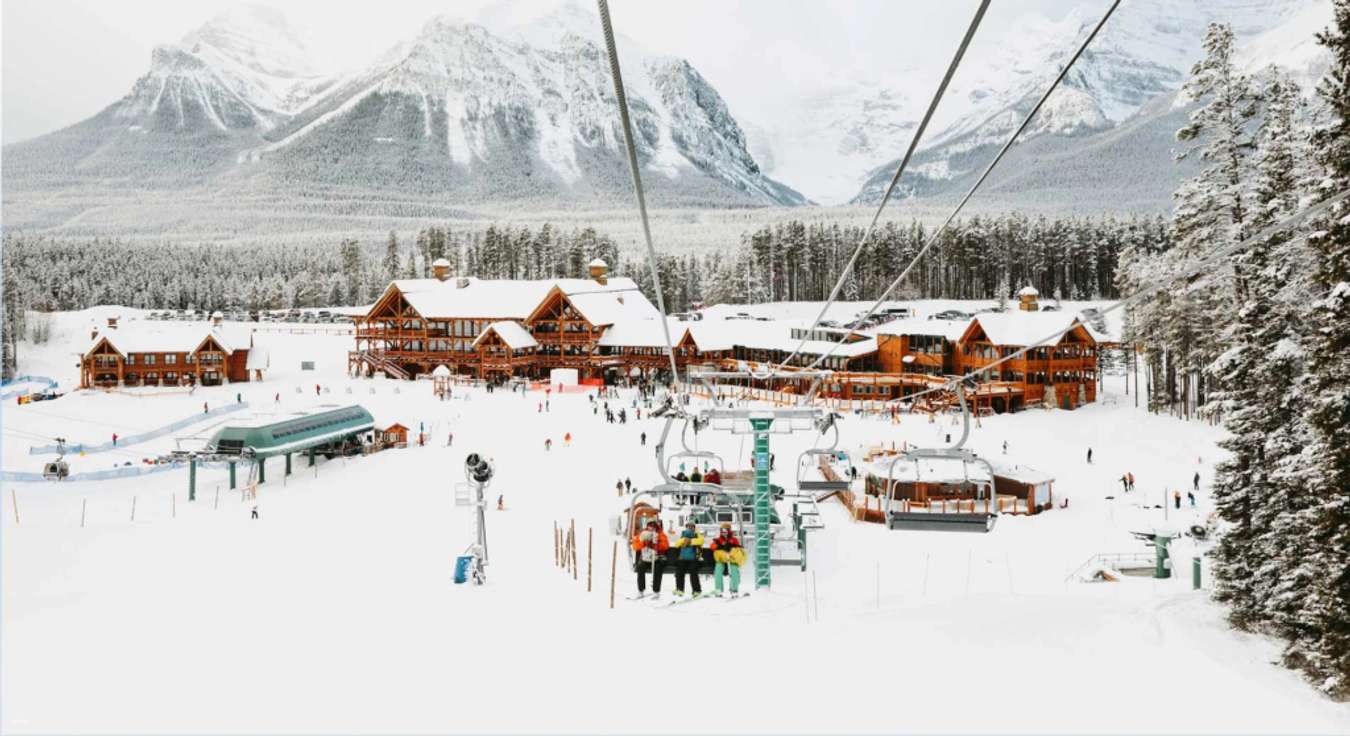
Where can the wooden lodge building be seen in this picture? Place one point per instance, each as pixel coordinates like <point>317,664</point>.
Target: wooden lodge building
<point>170,355</point>
<point>606,329</point>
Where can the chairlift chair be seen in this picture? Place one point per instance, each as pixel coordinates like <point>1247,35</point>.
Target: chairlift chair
<point>827,424</point>
<point>57,469</point>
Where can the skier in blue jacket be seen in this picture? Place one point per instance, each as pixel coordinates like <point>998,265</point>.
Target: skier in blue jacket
<point>690,546</point>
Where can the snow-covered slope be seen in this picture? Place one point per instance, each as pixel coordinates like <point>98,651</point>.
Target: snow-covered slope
<point>1143,54</point>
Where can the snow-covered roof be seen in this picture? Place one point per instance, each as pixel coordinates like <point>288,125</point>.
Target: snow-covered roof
<point>642,333</point>
<point>597,263</point>
<point>259,358</point>
<point>605,303</point>
<point>1020,473</point>
<point>951,329</point>
<point>171,337</point>
<point>511,333</point>
<point>720,335</point>
<point>441,263</point>
<point>1018,328</point>
<point>441,371</point>
<point>1028,291</point>
<point>928,470</point>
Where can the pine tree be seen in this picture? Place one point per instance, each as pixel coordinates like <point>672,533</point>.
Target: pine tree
<point>390,263</point>
<point>1325,651</point>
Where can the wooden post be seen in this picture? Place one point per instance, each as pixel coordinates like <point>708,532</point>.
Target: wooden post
<point>133,508</point>
<point>574,550</point>
<point>217,504</point>
<point>557,554</point>
<point>83,503</point>
<point>173,507</point>
<point>613,571</point>
<point>15,499</point>
<point>589,533</point>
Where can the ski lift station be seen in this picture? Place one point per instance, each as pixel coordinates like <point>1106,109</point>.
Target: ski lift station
<point>329,431</point>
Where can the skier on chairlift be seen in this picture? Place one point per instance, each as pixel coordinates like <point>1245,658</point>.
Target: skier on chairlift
<point>650,545</point>
<point>728,555</point>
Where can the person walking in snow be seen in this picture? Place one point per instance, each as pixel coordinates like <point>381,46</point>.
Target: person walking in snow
<point>1124,484</point>
<point>628,484</point>
<point>567,440</point>
<point>254,513</point>
<point>1195,482</point>
<point>1089,456</point>
<point>690,545</point>
<point>650,546</point>
<point>728,555</point>
<point>1130,475</point>
<point>501,503</point>
<point>205,408</point>
<point>1190,496</point>
<point>316,389</point>
<point>1005,447</point>
<point>114,439</point>
<point>1176,499</point>
<point>450,440</point>
<point>618,488</point>
<point>548,444</point>
<point>642,440</point>
<point>238,398</point>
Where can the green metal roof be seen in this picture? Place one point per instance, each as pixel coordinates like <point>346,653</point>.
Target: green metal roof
<point>292,435</point>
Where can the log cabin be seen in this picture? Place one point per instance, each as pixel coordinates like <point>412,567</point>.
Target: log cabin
<point>140,354</point>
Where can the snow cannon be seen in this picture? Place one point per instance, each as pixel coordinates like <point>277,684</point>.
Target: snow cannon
<point>478,468</point>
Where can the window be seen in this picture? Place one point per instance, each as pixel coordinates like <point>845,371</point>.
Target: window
<point>150,359</point>
<point>171,359</point>
<point>131,359</point>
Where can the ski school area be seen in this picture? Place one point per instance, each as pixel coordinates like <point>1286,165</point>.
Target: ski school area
<point>293,579</point>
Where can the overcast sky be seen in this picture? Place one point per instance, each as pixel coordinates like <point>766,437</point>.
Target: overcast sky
<point>64,60</point>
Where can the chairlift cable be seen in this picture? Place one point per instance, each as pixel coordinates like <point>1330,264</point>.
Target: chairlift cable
<point>622,101</point>
<point>900,170</point>
<point>932,239</point>
<point>1195,271</point>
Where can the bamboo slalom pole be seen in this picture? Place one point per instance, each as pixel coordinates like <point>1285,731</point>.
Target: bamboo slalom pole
<point>613,571</point>
<point>84,502</point>
<point>133,508</point>
<point>173,506</point>
<point>15,499</point>
<point>574,553</point>
<point>589,546</point>
<point>556,555</point>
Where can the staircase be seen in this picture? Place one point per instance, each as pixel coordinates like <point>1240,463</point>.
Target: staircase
<point>377,362</point>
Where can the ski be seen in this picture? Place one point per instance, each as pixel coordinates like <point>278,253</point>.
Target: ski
<point>690,599</point>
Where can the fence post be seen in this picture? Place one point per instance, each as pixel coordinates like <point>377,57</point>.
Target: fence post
<point>133,508</point>
<point>589,532</point>
<point>613,571</point>
<point>15,499</point>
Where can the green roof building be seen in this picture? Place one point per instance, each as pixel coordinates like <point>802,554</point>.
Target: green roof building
<point>266,437</point>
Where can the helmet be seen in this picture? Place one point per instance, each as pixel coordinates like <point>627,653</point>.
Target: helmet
<point>690,524</point>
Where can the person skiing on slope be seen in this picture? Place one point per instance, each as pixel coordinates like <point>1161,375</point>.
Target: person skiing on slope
<point>1195,482</point>
<point>690,545</point>
<point>1124,484</point>
<point>642,440</point>
<point>1190,496</point>
<point>1176,499</point>
<point>1089,456</point>
<point>650,545</point>
<point>618,488</point>
<point>729,555</point>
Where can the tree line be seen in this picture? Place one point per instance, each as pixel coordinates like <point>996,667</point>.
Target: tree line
<point>1262,342</point>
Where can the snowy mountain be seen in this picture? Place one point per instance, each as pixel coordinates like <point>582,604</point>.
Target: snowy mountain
<point>524,112</point>
<point>457,114</point>
<point>1142,56</point>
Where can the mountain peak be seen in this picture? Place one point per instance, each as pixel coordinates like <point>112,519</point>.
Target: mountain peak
<point>259,38</point>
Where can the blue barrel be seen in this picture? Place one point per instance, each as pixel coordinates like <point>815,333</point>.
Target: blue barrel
<point>462,566</point>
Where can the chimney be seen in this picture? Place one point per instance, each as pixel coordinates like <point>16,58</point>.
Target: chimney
<point>440,269</point>
<point>112,323</point>
<point>217,318</point>
<point>599,271</point>
<point>1028,299</point>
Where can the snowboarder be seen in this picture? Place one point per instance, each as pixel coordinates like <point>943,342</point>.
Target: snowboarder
<point>690,545</point>
<point>1089,456</point>
<point>450,440</point>
<point>650,545</point>
<point>277,400</point>
<point>773,461</point>
<point>548,444</point>
<point>255,512</point>
<point>238,398</point>
<point>1195,482</point>
<point>643,439</point>
<point>114,439</point>
<point>1176,499</point>
<point>729,555</point>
